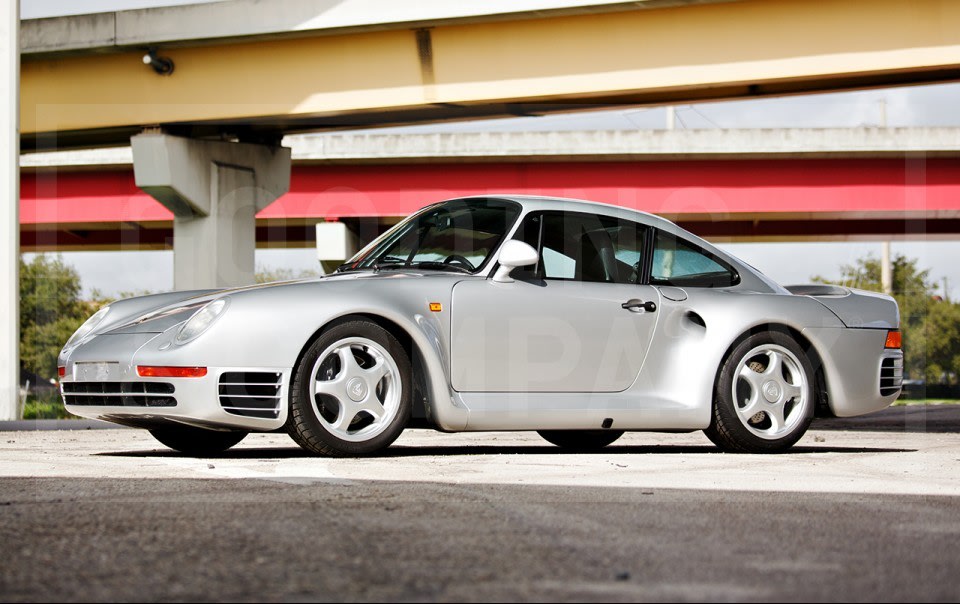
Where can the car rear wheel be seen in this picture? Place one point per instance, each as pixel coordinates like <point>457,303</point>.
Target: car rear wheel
<point>764,397</point>
<point>352,391</point>
<point>197,441</point>
<point>580,440</point>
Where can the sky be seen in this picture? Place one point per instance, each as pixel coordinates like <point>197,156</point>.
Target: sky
<point>787,263</point>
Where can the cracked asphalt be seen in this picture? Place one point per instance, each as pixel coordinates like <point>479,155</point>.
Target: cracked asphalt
<point>860,510</point>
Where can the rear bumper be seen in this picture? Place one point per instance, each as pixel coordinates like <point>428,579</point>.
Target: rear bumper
<point>113,391</point>
<point>861,375</point>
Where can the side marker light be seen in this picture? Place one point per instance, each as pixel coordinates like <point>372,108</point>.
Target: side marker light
<point>894,340</point>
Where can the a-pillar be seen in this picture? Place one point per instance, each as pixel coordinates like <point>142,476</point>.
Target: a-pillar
<point>10,216</point>
<point>214,189</point>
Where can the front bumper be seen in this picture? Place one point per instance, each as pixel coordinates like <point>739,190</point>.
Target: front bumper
<point>244,398</point>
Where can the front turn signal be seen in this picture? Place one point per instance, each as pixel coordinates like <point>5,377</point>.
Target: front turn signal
<point>894,339</point>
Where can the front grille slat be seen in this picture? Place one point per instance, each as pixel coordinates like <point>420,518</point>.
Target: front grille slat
<point>248,403</point>
<point>119,394</point>
<point>118,388</point>
<point>250,377</point>
<point>251,393</point>
<point>891,376</point>
<point>249,390</point>
<point>258,413</point>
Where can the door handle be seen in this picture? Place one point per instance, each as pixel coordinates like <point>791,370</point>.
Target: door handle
<point>638,305</point>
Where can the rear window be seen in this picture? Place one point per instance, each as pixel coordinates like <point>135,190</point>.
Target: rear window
<point>681,263</point>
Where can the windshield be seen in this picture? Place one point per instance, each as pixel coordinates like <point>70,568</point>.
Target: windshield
<point>457,235</point>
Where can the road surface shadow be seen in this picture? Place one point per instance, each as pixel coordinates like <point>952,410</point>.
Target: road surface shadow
<point>935,419</point>
<point>465,450</point>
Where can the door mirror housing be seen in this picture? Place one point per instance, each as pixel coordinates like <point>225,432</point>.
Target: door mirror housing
<point>514,254</point>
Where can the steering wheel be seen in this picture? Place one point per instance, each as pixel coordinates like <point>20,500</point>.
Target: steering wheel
<point>458,259</point>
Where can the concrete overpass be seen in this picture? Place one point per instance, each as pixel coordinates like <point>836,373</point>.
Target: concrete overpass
<point>254,69</point>
<point>726,185</point>
<point>224,81</point>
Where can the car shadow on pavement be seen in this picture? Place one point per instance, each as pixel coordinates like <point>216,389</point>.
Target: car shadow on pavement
<point>934,419</point>
<point>448,451</point>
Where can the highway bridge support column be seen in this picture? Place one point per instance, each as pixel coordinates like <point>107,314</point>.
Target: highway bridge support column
<point>10,202</point>
<point>214,189</point>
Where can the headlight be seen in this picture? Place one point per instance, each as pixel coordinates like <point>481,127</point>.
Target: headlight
<point>88,326</point>
<point>201,321</point>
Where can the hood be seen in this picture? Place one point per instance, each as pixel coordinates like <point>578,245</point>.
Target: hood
<point>157,313</point>
<point>123,312</point>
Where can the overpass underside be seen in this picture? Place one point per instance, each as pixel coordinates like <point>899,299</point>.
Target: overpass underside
<point>722,200</point>
<point>86,93</point>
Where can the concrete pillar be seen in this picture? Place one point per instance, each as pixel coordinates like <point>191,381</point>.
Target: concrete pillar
<point>214,189</point>
<point>335,244</point>
<point>10,217</point>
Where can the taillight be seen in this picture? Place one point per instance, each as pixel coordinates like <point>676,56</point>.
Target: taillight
<point>174,372</point>
<point>894,339</point>
<point>62,371</point>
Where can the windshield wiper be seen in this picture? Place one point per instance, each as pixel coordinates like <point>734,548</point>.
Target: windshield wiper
<point>437,266</point>
<point>384,261</point>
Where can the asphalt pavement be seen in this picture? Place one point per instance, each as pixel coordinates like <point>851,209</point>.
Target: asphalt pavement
<point>867,511</point>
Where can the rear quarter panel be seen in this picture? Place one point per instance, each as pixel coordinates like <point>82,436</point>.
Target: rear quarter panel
<point>680,371</point>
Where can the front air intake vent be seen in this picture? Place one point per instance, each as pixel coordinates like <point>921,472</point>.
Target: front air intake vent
<point>119,394</point>
<point>251,393</point>
<point>891,376</point>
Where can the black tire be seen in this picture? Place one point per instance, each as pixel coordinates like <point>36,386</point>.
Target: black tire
<point>291,429</point>
<point>304,425</point>
<point>728,431</point>
<point>197,441</point>
<point>580,440</point>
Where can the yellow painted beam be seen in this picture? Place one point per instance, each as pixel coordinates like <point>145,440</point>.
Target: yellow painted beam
<point>667,54</point>
<point>285,77</point>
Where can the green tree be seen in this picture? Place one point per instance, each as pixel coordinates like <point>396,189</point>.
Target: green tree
<point>930,326</point>
<point>943,342</point>
<point>50,311</point>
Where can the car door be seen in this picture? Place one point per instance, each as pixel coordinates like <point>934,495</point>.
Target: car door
<point>580,321</point>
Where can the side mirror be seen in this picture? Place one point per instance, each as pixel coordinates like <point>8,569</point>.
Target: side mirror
<point>514,254</point>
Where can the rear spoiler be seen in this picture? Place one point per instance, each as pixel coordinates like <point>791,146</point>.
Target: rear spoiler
<point>817,289</point>
<point>856,308</point>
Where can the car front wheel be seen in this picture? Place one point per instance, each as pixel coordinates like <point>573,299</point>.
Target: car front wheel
<point>351,393</point>
<point>764,397</point>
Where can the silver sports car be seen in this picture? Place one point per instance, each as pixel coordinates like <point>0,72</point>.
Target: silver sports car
<point>575,319</point>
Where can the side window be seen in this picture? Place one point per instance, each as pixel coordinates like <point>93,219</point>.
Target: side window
<point>586,247</point>
<point>677,262</point>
